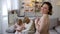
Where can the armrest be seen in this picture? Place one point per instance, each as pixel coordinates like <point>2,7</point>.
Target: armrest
<point>57,28</point>
<point>10,29</point>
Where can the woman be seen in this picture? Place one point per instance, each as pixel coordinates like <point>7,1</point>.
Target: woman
<point>29,26</point>
<point>42,24</point>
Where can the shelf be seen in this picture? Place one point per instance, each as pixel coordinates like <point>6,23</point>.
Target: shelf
<point>58,3</point>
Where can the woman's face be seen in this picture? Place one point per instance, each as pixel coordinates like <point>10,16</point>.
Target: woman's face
<point>44,9</point>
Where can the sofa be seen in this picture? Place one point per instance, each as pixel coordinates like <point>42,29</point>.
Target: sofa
<point>54,28</point>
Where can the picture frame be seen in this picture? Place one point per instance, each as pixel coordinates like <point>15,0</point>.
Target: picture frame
<point>27,11</point>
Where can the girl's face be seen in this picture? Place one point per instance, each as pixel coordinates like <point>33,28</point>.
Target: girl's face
<point>45,9</point>
<point>19,21</point>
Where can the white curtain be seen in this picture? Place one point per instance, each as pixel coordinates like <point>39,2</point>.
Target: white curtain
<point>0,17</point>
<point>4,16</point>
<point>6,5</point>
<point>12,4</point>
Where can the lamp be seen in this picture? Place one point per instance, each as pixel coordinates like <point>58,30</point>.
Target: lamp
<point>39,0</point>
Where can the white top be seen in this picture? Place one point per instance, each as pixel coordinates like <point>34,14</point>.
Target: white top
<point>18,27</point>
<point>28,26</point>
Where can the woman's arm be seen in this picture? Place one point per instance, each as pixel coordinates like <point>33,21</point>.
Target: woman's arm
<point>42,24</point>
<point>36,23</point>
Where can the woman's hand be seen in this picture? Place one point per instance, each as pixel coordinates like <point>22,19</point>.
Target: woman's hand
<point>36,22</point>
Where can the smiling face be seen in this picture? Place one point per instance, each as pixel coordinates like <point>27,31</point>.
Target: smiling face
<point>45,9</point>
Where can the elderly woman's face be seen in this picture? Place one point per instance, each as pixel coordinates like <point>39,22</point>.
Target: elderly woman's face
<point>44,9</point>
<point>26,20</point>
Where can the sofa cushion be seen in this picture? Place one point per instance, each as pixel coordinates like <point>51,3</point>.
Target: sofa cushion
<point>53,22</point>
<point>57,29</point>
<point>10,33</point>
<point>11,29</point>
<point>52,32</point>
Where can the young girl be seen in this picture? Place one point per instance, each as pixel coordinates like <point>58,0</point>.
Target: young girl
<point>19,26</point>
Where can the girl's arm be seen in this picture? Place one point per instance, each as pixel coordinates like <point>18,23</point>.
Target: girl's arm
<point>15,27</point>
<point>23,26</point>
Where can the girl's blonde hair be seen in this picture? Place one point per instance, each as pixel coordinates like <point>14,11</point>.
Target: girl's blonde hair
<point>26,20</point>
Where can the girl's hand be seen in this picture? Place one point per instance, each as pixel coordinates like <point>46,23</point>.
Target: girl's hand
<point>23,27</point>
<point>37,19</point>
<point>15,27</point>
<point>19,30</point>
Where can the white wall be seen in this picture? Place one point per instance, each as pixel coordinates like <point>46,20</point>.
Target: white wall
<point>56,9</point>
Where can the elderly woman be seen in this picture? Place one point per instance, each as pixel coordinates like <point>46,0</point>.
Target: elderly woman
<point>29,26</point>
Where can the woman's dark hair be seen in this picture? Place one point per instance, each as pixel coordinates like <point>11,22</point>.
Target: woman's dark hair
<point>50,7</point>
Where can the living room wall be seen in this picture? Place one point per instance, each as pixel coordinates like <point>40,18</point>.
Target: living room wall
<point>56,8</point>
